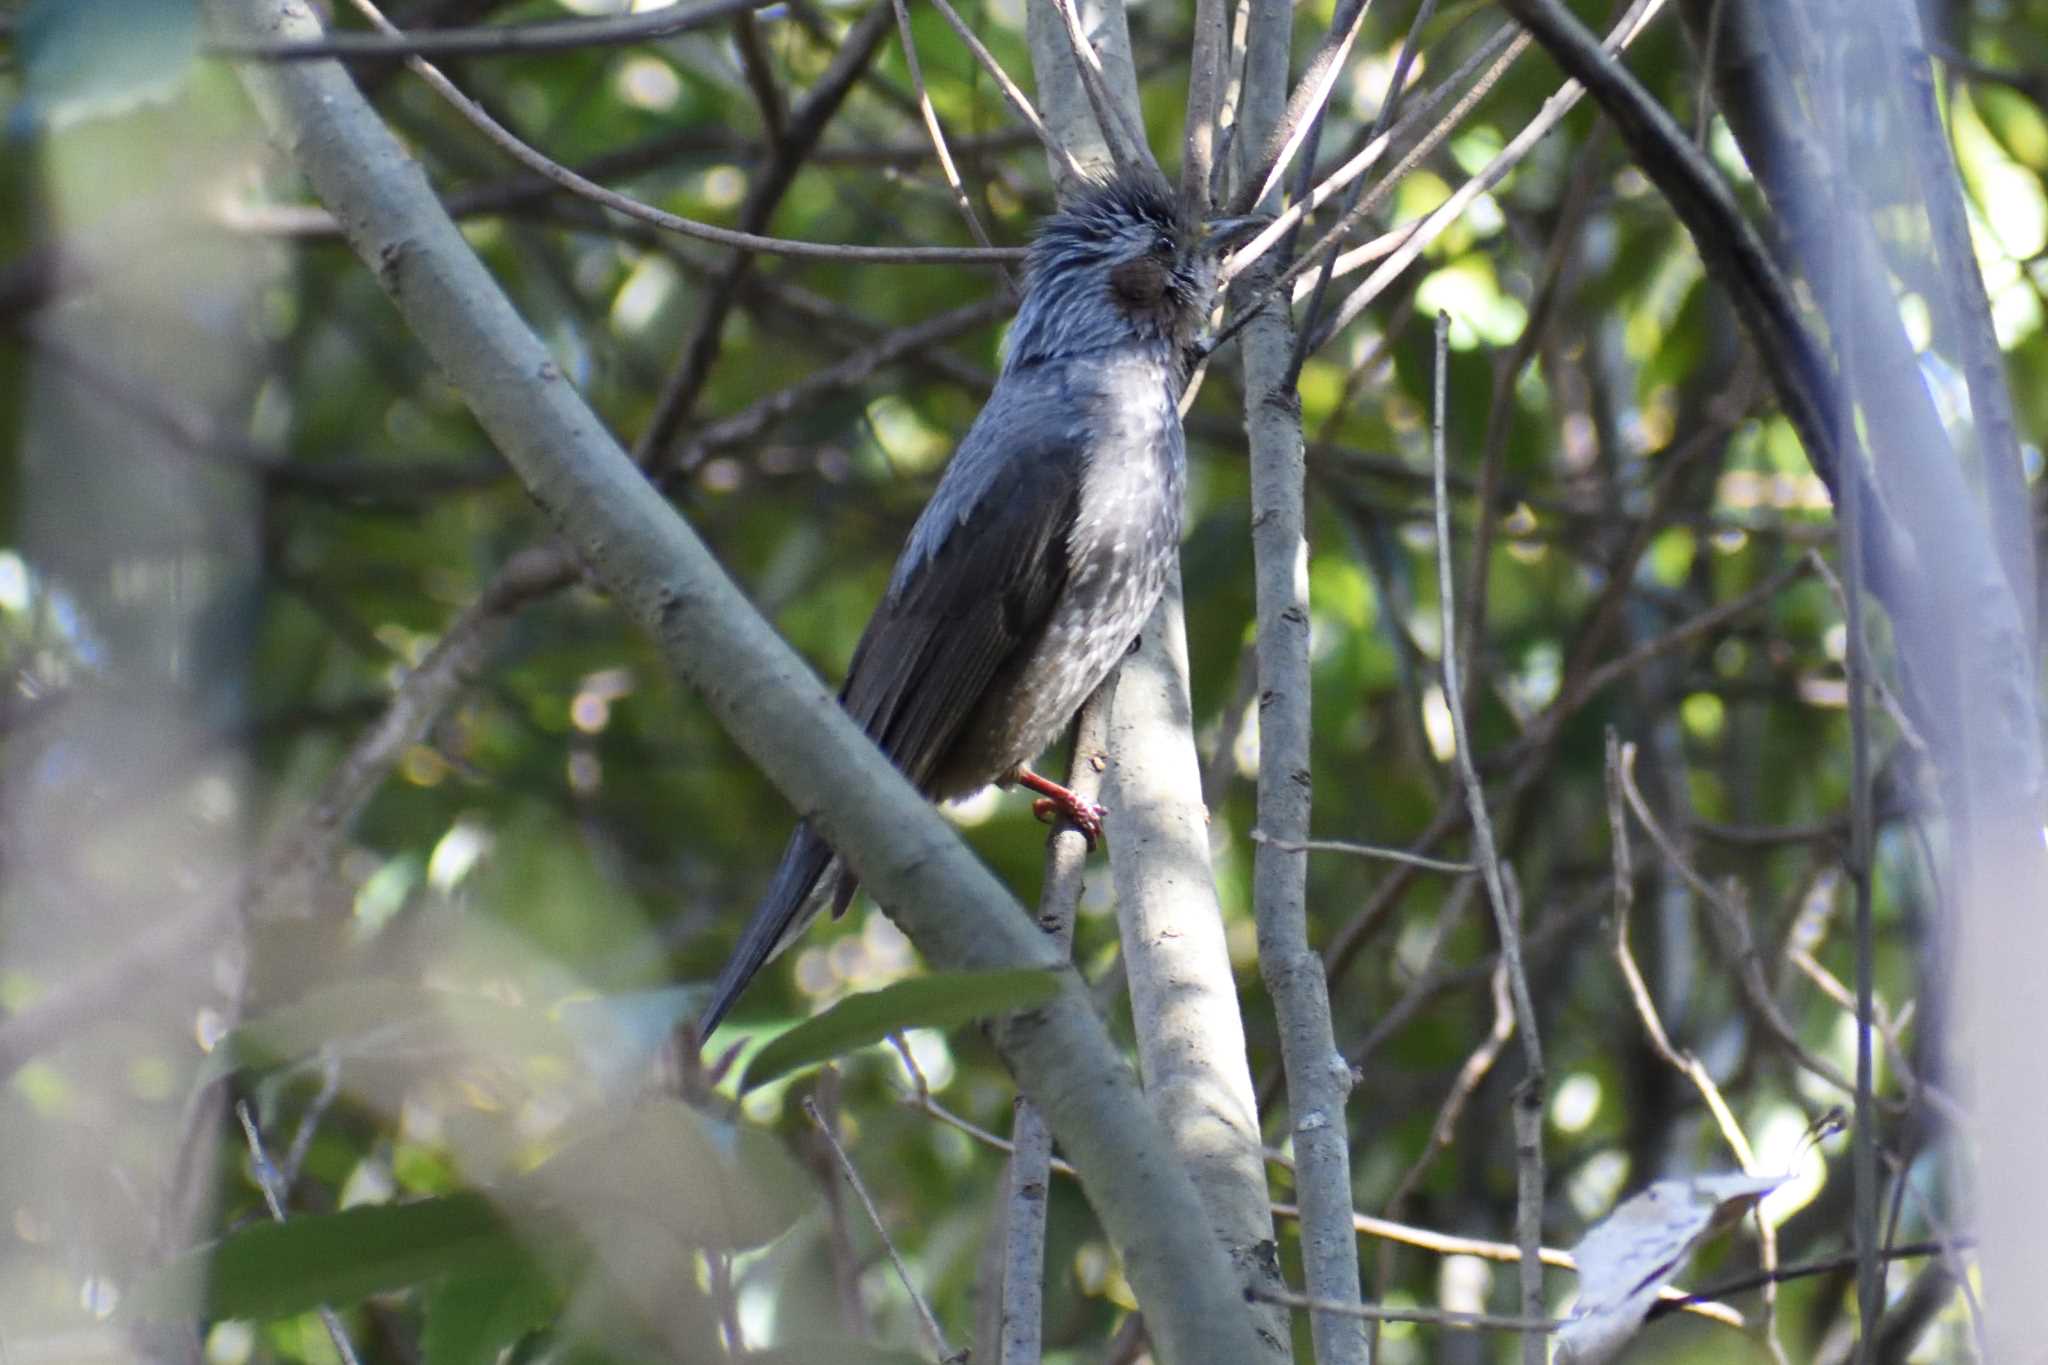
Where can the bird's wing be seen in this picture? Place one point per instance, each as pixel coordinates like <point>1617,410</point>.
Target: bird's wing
<point>978,579</point>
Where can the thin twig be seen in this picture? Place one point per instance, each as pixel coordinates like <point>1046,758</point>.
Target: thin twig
<point>1831,1265</point>
<point>931,1324</point>
<point>553,171</point>
<point>1452,209</point>
<point>497,40</point>
<point>271,1183</point>
<point>1474,1070</point>
<point>1390,105</point>
<point>1538,1327</point>
<point>1528,1106</point>
<point>1311,97</point>
<point>937,133</point>
<point>1385,1229</point>
<point>1620,759</point>
<point>1380,851</point>
<point>1333,184</point>
<point>1018,100</point>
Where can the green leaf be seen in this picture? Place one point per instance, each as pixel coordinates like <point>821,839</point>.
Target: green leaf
<point>471,1318</point>
<point>940,1001</point>
<point>271,1270</point>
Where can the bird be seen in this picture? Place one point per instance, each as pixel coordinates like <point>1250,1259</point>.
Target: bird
<point>1045,545</point>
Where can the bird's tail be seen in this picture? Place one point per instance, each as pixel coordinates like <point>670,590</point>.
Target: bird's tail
<point>800,889</point>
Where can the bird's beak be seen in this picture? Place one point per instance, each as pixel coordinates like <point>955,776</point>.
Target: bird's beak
<point>1221,234</point>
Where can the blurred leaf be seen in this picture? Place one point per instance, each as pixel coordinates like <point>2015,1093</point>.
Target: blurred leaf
<point>471,1318</point>
<point>84,58</point>
<point>373,1016</point>
<point>940,1001</point>
<point>707,1184</point>
<point>271,1270</point>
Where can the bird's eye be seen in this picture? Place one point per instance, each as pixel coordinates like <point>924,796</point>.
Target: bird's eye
<point>1162,245</point>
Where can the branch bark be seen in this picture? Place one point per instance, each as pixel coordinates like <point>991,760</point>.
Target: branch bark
<point>1184,1006</point>
<point>1318,1077</point>
<point>664,578</point>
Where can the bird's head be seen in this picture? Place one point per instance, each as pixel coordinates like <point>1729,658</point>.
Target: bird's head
<point>1120,265</point>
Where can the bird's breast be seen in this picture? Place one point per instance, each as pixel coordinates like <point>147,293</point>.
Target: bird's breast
<point>1124,537</point>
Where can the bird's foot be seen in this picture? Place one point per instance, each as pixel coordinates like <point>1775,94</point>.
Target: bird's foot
<point>1056,801</point>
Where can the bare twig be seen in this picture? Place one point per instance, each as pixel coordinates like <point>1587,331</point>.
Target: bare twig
<point>1554,109</point>
<point>751,422</point>
<point>1390,104</point>
<point>553,171</point>
<point>1619,767</point>
<point>1018,100</point>
<point>1529,1095</point>
<point>497,40</point>
<point>1470,1074</point>
<point>1538,1327</point>
<point>931,1324</point>
<point>1380,851</point>
<point>931,124</point>
<point>1299,125</point>
<point>1620,759</point>
<point>1491,51</point>
<point>271,1182</point>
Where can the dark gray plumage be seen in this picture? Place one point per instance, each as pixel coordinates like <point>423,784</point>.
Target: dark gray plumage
<point>1047,542</point>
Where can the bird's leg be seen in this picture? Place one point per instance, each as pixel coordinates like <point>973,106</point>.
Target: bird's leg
<point>1058,800</point>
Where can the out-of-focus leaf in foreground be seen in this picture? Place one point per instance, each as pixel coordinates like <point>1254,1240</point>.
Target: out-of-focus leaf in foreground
<point>687,1180</point>
<point>83,58</point>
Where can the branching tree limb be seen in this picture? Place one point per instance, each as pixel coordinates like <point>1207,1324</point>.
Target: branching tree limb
<point>665,579</point>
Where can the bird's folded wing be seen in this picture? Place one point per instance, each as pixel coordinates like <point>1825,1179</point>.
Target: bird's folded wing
<point>974,587</point>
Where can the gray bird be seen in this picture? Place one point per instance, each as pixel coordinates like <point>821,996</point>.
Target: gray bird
<point>1044,547</point>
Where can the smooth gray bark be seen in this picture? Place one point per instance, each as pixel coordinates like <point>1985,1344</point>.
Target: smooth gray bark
<point>1184,1007</point>
<point>1318,1077</point>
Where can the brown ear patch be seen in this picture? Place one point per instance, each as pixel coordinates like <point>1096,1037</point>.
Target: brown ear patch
<point>1140,285</point>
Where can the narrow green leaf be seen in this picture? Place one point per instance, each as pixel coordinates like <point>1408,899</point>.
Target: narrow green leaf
<point>941,1001</point>
<point>271,1270</point>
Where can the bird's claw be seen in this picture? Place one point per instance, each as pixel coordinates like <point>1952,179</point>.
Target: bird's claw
<point>1086,816</point>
